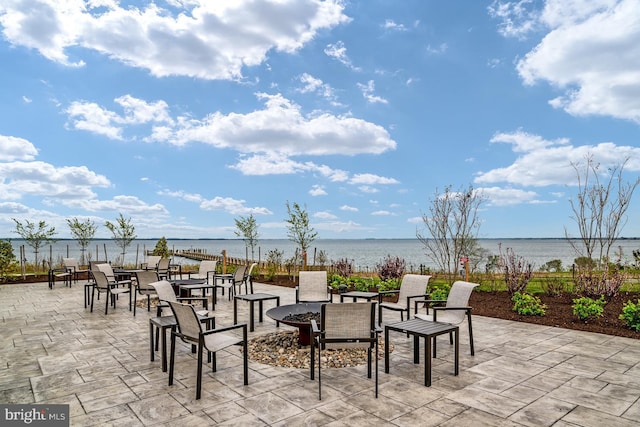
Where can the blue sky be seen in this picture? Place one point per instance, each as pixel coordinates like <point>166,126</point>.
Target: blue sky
<point>184,115</point>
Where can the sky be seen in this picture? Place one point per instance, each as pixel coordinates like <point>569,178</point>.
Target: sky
<point>185,115</point>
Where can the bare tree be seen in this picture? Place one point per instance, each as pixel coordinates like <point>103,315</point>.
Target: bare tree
<point>35,235</point>
<point>247,228</point>
<point>599,208</point>
<point>451,228</point>
<point>298,229</point>
<point>83,232</point>
<point>123,233</point>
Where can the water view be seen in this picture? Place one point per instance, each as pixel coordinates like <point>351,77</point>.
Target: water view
<point>364,253</point>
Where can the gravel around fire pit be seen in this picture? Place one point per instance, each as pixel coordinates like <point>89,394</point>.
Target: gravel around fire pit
<point>281,349</point>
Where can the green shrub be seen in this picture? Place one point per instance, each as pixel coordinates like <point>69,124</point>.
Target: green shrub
<point>631,314</point>
<point>588,308</point>
<point>527,305</point>
<point>441,292</point>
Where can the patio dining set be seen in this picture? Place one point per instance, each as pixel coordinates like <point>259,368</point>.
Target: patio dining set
<point>353,323</point>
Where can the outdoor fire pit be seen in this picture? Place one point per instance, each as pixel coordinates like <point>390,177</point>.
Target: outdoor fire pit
<point>297,315</point>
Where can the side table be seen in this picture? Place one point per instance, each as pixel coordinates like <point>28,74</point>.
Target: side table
<point>357,294</point>
<point>428,330</point>
<point>252,298</point>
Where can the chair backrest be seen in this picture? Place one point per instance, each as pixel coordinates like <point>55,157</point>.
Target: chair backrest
<point>312,286</point>
<point>188,323</point>
<point>144,279</point>
<point>251,267</point>
<point>238,275</point>
<point>459,297</point>
<point>163,265</point>
<point>70,263</point>
<point>349,322</point>
<point>102,282</point>
<point>165,291</point>
<point>93,265</point>
<point>152,261</point>
<point>412,285</point>
<point>206,266</point>
<point>107,270</point>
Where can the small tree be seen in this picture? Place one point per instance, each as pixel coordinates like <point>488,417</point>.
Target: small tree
<point>298,229</point>
<point>35,235</point>
<point>247,228</point>
<point>83,232</point>
<point>517,271</point>
<point>452,228</point>
<point>8,259</point>
<point>599,208</point>
<point>161,249</point>
<point>123,233</point>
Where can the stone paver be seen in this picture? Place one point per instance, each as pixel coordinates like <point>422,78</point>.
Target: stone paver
<point>53,350</point>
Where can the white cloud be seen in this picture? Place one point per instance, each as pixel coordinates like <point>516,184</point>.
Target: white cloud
<point>382,213</point>
<point>348,208</point>
<point>324,215</point>
<point>13,148</point>
<point>592,54</point>
<point>227,204</point>
<point>517,18</point>
<point>497,196</point>
<point>390,24</point>
<point>318,190</point>
<point>543,162</point>
<point>338,52</point>
<point>368,189</point>
<point>368,93</point>
<point>195,38</point>
<point>368,178</point>
<point>65,184</point>
<point>278,128</point>
<point>315,85</point>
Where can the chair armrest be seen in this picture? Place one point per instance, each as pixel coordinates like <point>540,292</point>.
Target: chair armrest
<point>314,327</point>
<point>225,328</point>
<point>427,302</point>
<point>191,299</point>
<point>467,308</point>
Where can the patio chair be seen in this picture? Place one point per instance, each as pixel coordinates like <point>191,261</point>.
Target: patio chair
<point>206,270</point>
<point>230,282</point>
<point>71,264</point>
<point>111,276</point>
<point>143,287</point>
<point>162,268</point>
<point>312,287</point>
<point>345,326</point>
<point>412,286</point>
<point>111,289</point>
<point>152,262</point>
<point>456,308</point>
<point>248,277</point>
<point>166,294</point>
<point>190,329</point>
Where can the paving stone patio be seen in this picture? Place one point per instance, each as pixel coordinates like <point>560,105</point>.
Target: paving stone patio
<point>53,350</point>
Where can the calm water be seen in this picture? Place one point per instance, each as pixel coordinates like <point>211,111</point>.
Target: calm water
<point>363,253</point>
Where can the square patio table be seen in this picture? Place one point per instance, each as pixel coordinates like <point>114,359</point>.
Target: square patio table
<point>252,298</point>
<point>355,295</point>
<point>428,330</point>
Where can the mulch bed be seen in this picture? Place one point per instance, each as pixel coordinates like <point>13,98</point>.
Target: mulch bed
<point>559,312</point>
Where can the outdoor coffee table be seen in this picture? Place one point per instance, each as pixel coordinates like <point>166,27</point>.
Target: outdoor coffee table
<point>252,298</point>
<point>357,294</point>
<point>281,314</point>
<point>423,329</point>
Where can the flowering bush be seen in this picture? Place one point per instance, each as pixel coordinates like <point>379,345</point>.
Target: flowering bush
<point>391,268</point>
<point>517,271</point>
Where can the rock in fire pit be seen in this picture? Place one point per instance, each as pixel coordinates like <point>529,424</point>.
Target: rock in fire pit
<point>281,349</point>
